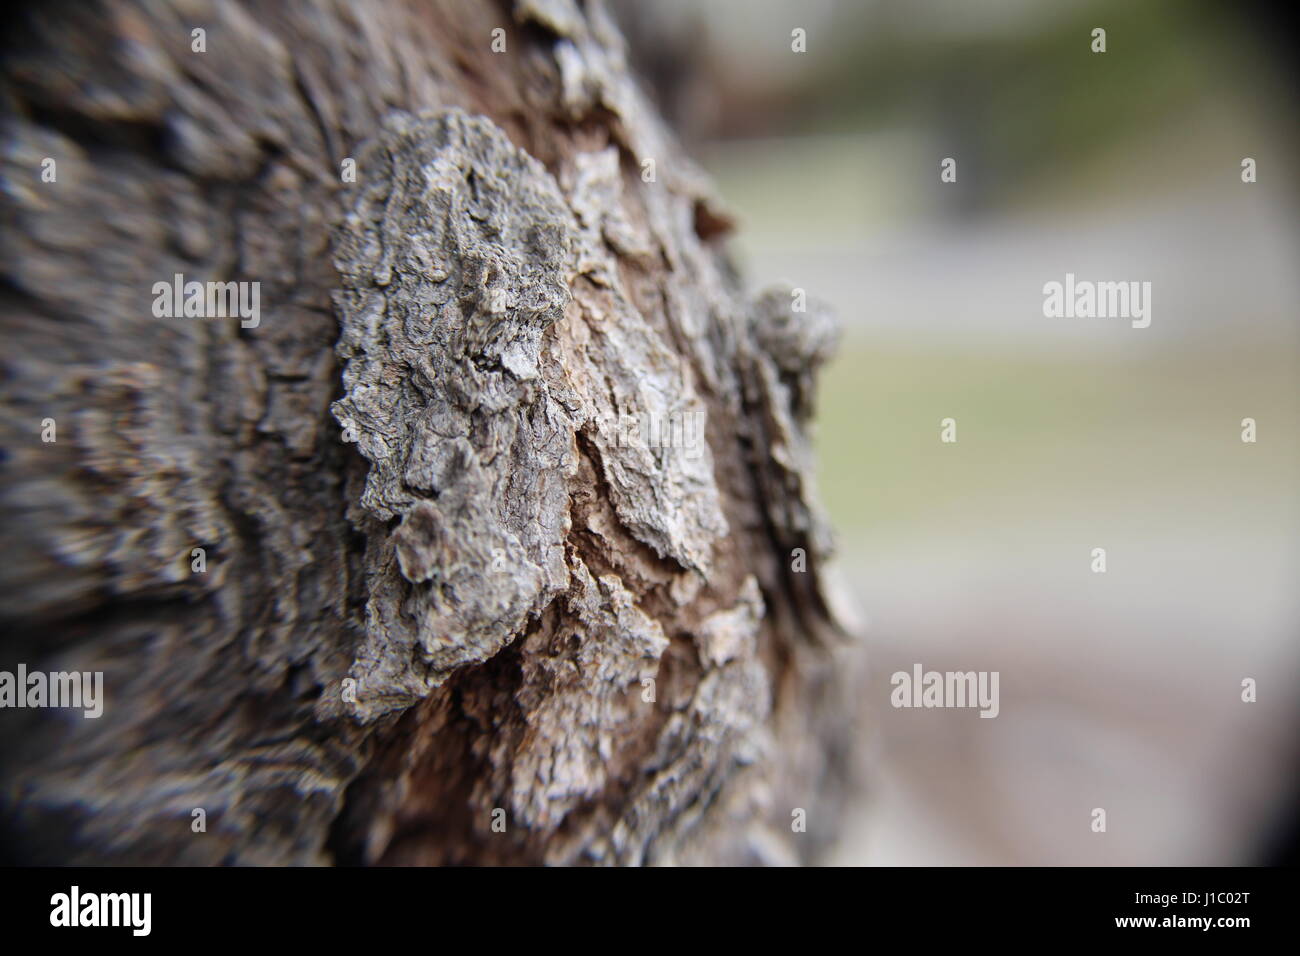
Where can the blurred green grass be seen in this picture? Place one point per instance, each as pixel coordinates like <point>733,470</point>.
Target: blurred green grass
<point>1154,434</point>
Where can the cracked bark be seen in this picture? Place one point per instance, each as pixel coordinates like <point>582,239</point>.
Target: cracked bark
<point>446,585</point>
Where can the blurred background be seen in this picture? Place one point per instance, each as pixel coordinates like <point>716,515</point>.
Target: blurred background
<point>1119,690</point>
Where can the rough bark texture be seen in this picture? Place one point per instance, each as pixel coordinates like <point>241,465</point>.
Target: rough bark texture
<point>440,569</point>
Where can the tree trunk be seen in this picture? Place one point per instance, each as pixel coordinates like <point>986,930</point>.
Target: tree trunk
<point>508,550</point>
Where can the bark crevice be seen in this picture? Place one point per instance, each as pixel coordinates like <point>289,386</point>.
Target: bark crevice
<point>441,580</point>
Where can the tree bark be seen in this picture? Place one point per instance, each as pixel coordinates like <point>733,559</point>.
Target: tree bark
<point>472,592</point>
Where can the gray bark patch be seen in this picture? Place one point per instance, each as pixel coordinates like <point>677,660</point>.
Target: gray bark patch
<point>455,258</point>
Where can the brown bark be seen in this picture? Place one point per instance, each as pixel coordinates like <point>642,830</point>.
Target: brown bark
<point>448,619</point>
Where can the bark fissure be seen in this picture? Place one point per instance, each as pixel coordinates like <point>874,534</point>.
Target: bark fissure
<point>445,591</point>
